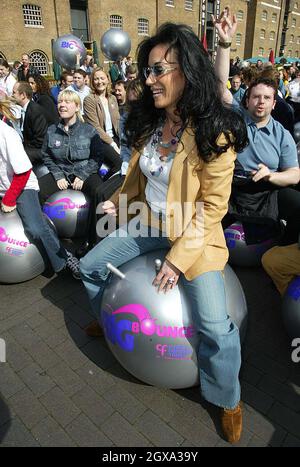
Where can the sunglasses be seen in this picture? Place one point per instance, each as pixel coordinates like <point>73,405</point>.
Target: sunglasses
<point>158,70</point>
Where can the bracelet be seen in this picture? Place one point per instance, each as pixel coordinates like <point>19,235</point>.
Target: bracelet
<point>224,45</point>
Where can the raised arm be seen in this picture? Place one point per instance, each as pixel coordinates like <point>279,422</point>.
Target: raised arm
<point>226,26</point>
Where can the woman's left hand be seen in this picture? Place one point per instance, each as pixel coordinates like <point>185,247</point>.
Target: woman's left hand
<point>167,277</point>
<point>5,208</point>
<point>77,184</point>
<point>225,24</point>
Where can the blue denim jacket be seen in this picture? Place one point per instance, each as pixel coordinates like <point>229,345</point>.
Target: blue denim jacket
<point>78,152</point>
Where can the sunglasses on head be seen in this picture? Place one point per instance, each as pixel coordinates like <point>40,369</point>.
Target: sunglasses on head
<point>158,70</point>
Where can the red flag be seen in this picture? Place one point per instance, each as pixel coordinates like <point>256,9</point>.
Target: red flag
<point>204,41</point>
<point>271,57</point>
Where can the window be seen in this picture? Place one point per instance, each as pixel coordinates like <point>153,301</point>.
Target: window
<point>274,17</point>
<point>292,39</point>
<point>40,61</point>
<point>295,6</point>
<point>143,27</point>
<point>116,21</point>
<point>32,15</point>
<point>289,54</point>
<point>262,34</point>
<point>238,40</point>
<point>261,52</point>
<point>188,4</point>
<point>264,15</point>
<point>293,22</point>
<point>169,2</point>
<point>272,36</point>
<point>297,53</point>
<point>298,40</point>
<point>240,15</point>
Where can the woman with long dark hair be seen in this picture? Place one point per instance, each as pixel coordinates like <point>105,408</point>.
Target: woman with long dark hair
<point>185,144</point>
<point>42,96</point>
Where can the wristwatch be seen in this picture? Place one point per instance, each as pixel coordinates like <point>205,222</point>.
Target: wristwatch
<point>225,45</point>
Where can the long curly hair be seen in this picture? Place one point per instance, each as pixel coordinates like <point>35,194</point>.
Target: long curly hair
<point>42,84</point>
<point>200,107</point>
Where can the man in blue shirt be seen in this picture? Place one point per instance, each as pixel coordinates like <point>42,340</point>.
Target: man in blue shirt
<point>269,165</point>
<point>236,89</point>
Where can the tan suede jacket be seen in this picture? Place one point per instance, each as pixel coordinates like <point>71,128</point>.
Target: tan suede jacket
<point>195,231</point>
<point>94,114</point>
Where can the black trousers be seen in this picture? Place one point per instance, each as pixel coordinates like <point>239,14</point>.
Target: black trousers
<point>288,210</point>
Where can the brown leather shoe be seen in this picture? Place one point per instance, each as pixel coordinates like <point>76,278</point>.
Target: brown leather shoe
<point>231,420</point>
<point>94,329</point>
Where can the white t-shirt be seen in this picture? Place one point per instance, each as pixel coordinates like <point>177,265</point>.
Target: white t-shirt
<point>7,83</point>
<point>157,173</point>
<point>294,90</point>
<point>108,122</point>
<point>13,159</point>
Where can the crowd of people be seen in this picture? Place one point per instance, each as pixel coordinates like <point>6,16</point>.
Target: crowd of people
<point>172,129</point>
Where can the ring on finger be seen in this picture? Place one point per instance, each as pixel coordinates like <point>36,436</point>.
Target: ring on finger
<point>171,280</point>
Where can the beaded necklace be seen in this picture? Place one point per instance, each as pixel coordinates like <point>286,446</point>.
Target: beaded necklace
<point>156,161</point>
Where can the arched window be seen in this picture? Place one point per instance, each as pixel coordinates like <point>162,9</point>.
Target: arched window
<point>240,15</point>
<point>274,17</point>
<point>238,40</point>
<point>261,52</point>
<point>298,40</point>
<point>262,33</point>
<point>272,35</point>
<point>188,5</point>
<point>32,15</point>
<point>295,6</point>
<point>294,22</point>
<point>292,39</point>
<point>116,21</point>
<point>40,61</point>
<point>264,15</point>
<point>289,54</point>
<point>297,53</point>
<point>143,27</point>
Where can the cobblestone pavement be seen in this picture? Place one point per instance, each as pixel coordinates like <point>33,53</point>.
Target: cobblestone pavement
<point>62,388</point>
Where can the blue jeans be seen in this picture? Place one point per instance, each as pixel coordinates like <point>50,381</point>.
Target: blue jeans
<point>219,355</point>
<point>38,230</point>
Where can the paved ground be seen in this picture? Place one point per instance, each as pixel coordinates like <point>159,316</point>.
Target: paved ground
<point>60,388</point>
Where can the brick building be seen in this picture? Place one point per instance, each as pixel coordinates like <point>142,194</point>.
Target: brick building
<point>30,27</point>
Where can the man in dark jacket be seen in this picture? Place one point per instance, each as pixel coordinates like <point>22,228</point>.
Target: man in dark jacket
<point>26,69</point>
<point>33,123</point>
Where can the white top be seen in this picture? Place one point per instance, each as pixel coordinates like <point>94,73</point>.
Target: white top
<point>7,83</point>
<point>157,173</point>
<point>294,90</point>
<point>108,122</point>
<point>82,93</point>
<point>13,160</point>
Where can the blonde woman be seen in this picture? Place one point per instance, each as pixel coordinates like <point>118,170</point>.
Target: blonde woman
<point>101,109</point>
<point>10,114</point>
<point>73,152</point>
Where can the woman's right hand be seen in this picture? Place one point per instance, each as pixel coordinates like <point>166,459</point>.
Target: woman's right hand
<point>226,25</point>
<point>5,208</point>
<point>62,184</point>
<point>108,207</point>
